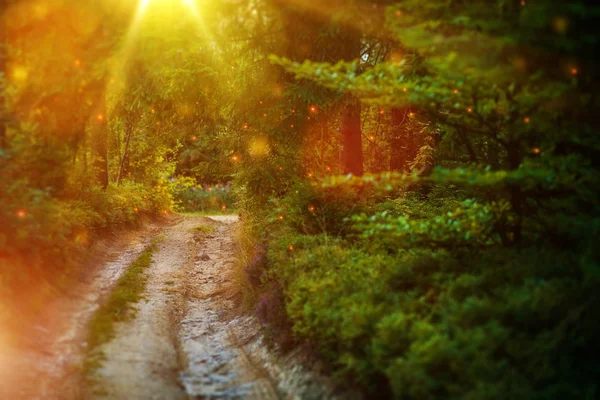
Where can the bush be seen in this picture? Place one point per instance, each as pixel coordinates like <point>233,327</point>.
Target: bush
<point>42,236</point>
<point>434,324</point>
<point>203,198</point>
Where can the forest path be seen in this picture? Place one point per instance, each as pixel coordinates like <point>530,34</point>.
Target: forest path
<point>44,361</point>
<point>188,339</point>
<point>180,344</point>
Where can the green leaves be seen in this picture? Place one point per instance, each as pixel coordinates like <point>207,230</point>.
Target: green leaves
<point>472,224</point>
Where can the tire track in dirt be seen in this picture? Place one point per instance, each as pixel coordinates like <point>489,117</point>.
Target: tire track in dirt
<point>215,366</point>
<point>142,361</point>
<point>46,363</point>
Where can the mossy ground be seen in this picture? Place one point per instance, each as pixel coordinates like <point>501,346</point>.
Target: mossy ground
<point>119,307</point>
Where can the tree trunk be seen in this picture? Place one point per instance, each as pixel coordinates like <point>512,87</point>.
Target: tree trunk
<point>352,139</point>
<point>125,153</point>
<point>100,148</point>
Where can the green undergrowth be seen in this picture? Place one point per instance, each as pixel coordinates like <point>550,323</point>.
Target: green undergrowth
<point>119,307</point>
<point>203,229</point>
<point>423,299</point>
<point>43,238</point>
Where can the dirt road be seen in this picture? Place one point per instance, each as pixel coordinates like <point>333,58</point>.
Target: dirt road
<point>187,340</point>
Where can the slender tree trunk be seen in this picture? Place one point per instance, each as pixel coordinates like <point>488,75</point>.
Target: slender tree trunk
<point>125,153</point>
<point>100,147</point>
<point>467,143</point>
<point>352,139</point>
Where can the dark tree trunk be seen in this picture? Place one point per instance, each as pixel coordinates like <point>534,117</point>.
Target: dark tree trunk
<point>352,139</point>
<point>125,154</point>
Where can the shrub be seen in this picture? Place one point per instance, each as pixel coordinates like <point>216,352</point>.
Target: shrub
<point>203,198</point>
<point>433,324</point>
<point>42,236</point>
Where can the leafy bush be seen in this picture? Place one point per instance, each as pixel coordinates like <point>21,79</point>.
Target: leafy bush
<point>202,198</point>
<point>433,324</point>
<point>42,236</point>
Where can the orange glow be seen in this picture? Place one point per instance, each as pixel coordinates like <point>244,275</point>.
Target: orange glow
<point>21,213</point>
<point>234,158</point>
<point>259,146</point>
<point>310,174</point>
<point>311,208</point>
<point>19,74</point>
<point>100,117</point>
<point>313,109</point>
<point>411,114</point>
<point>153,110</point>
<point>404,89</point>
<point>245,126</point>
<point>223,207</point>
<point>291,247</point>
<point>280,217</point>
<point>194,138</point>
<point>77,63</point>
<point>470,109</point>
<point>265,114</point>
<point>574,71</point>
<point>536,150</point>
<point>527,120</point>
<point>455,91</point>
<point>165,212</point>
<point>381,112</point>
<point>136,209</point>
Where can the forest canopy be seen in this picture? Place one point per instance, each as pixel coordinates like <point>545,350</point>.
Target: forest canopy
<point>417,180</point>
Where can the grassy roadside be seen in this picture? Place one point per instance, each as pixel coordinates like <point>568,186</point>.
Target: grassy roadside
<point>117,308</point>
